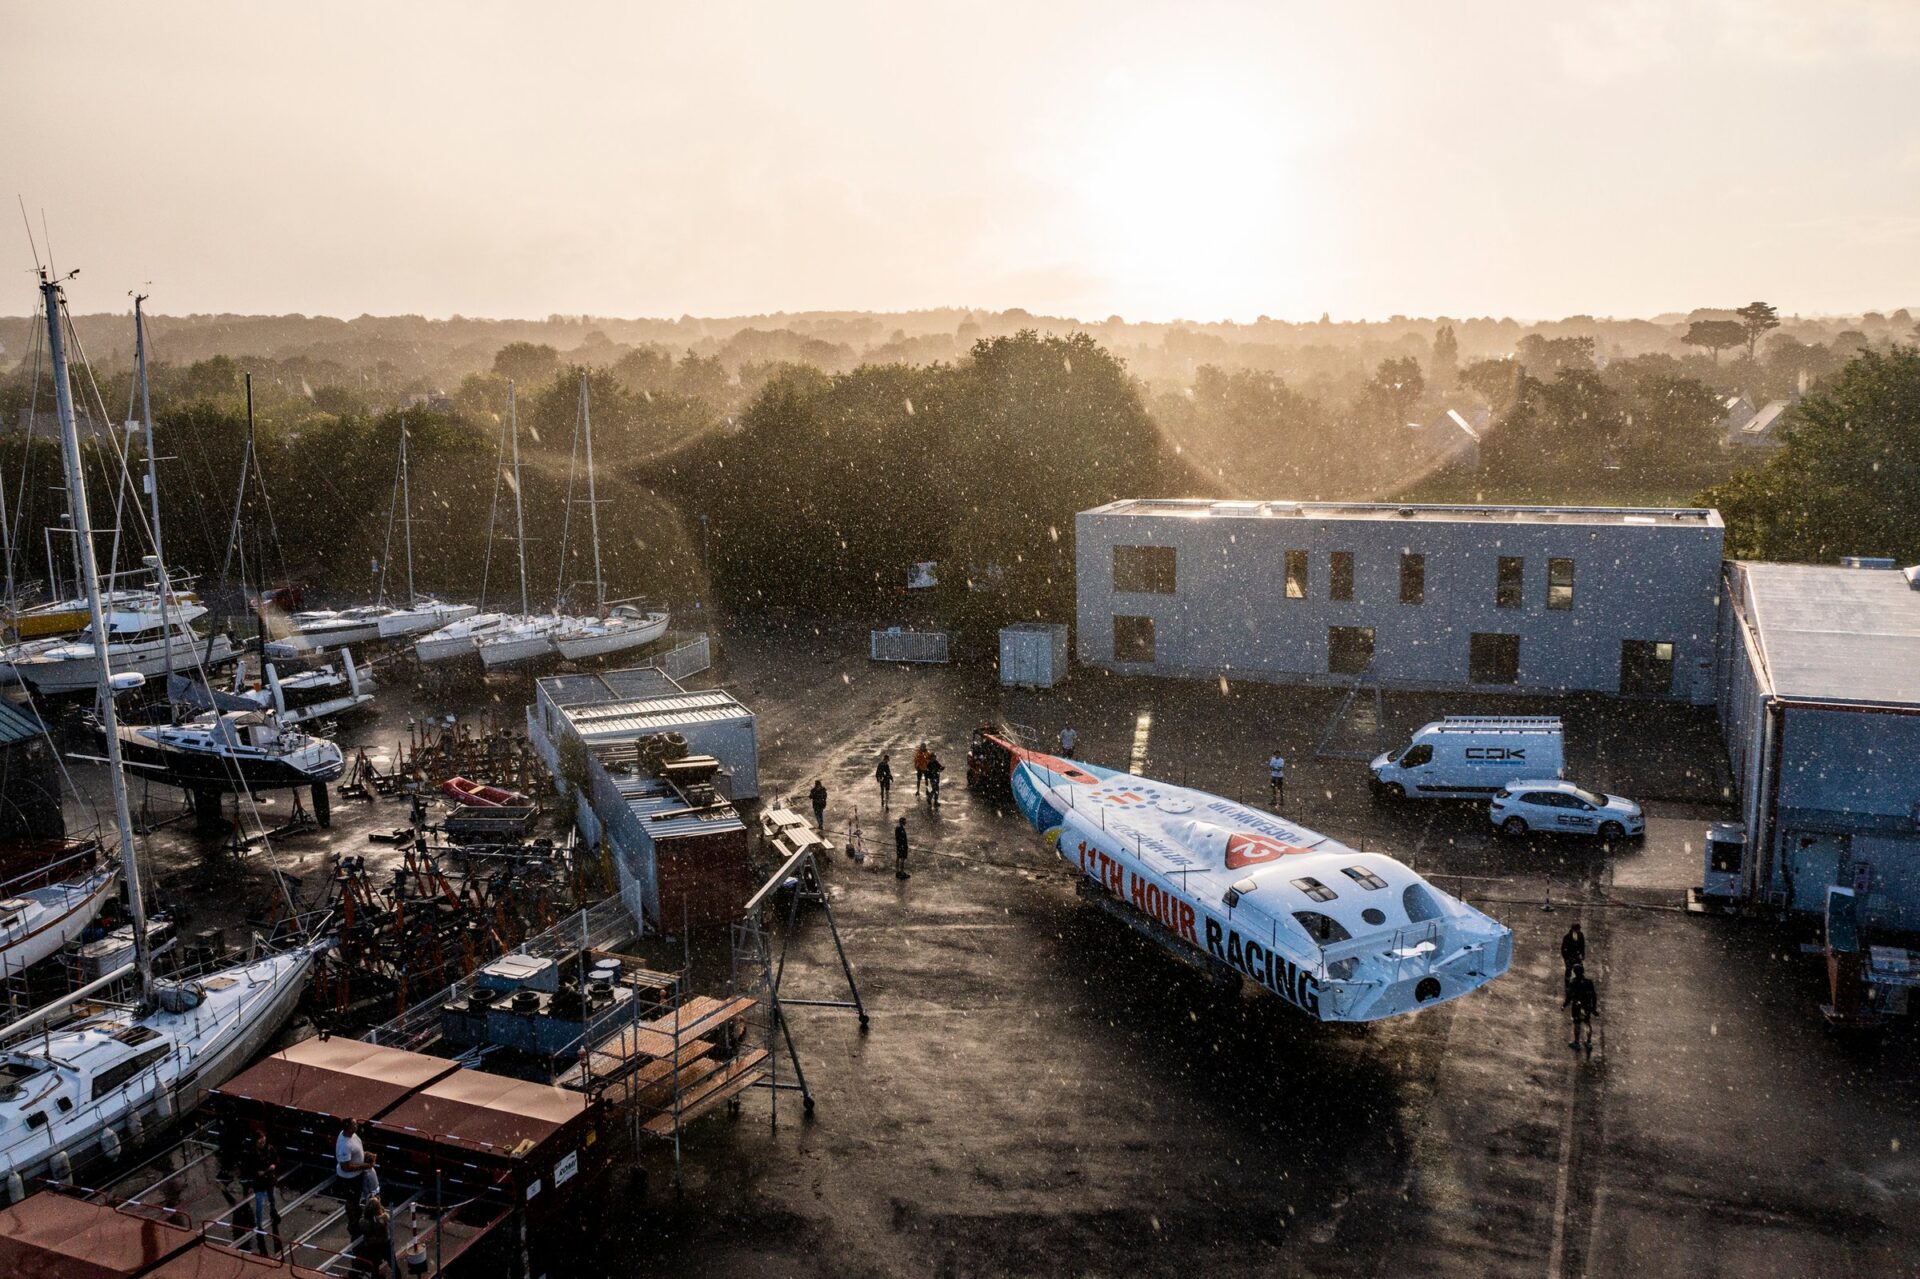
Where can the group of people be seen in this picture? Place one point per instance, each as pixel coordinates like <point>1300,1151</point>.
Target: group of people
<point>369,1223</point>
<point>927,769</point>
<point>883,773</point>
<point>1581,1000</point>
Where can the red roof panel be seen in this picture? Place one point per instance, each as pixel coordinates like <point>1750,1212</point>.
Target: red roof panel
<point>55,1236</point>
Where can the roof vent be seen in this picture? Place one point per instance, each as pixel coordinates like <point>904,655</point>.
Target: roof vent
<point>1866,561</point>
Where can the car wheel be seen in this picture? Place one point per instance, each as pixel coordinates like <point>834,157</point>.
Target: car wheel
<point>1394,790</point>
<point>1612,832</point>
<point>1513,826</point>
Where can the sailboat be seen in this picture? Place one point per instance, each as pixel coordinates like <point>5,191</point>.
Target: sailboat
<point>608,631</point>
<point>499,639</point>
<point>368,623</point>
<point>70,1093</point>
<point>49,906</point>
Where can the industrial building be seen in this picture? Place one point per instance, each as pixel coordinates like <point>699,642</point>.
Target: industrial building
<point>1819,690</point>
<point>1489,598</point>
<point>677,842</point>
<point>625,706</point>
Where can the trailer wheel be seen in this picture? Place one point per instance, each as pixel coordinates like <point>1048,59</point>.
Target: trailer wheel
<point>1513,826</point>
<point>322,804</point>
<point>1612,832</point>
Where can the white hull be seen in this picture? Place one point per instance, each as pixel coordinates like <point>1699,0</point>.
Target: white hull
<point>80,672</point>
<point>459,639</point>
<point>245,1007</point>
<point>333,636</point>
<point>39,922</point>
<point>616,635</point>
<point>528,640</point>
<point>422,618</point>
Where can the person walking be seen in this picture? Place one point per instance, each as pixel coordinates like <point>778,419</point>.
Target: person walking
<point>883,773</point>
<point>1277,778</point>
<point>1582,1001</point>
<point>259,1169</point>
<point>920,758</point>
<point>1067,740</point>
<point>819,797</point>
<point>934,769</point>
<point>900,849</point>
<point>351,1163</point>
<point>1573,952</point>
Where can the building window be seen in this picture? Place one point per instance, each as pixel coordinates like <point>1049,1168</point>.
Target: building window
<point>1560,584</point>
<point>1349,650</point>
<point>1413,578</point>
<point>1507,587</point>
<point>1494,659</point>
<point>1143,570</point>
<point>1133,639</point>
<point>1340,576</point>
<point>1296,575</point>
<point>1646,668</point>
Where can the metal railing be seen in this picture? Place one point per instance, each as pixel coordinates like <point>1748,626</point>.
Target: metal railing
<point>896,644</point>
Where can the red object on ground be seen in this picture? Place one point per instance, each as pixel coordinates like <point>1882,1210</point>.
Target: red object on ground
<point>468,791</point>
<point>54,1236</point>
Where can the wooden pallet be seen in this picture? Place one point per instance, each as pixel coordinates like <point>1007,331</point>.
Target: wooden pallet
<point>628,1061</point>
<point>740,1074</point>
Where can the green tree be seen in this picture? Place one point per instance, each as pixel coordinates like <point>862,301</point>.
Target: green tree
<point>1715,335</point>
<point>1755,319</point>
<point>1847,479</point>
<point>527,363</point>
<point>1446,356</point>
<point>1545,357</point>
<point>1394,391</point>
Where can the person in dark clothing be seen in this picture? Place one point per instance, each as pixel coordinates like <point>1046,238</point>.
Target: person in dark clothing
<point>934,769</point>
<point>819,796</point>
<point>883,773</point>
<point>258,1169</point>
<point>900,849</point>
<point>1573,952</point>
<point>1582,1001</point>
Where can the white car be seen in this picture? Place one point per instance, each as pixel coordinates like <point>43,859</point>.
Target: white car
<point>1551,805</point>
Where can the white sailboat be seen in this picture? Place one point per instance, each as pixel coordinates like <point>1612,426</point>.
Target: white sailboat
<point>368,623</point>
<point>608,631</point>
<point>40,914</point>
<point>115,1075</point>
<point>501,640</point>
<point>151,641</point>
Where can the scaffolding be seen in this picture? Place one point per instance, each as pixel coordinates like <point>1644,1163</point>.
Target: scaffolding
<point>1356,715</point>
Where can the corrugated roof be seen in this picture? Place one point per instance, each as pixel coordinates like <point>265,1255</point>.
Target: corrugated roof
<point>1836,634</point>
<point>650,798</point>
<point>607,686</point>
<point>654,714</point>
<point>16,725</point>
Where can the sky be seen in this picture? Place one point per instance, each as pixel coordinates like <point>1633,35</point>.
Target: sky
<point>1154,161</point>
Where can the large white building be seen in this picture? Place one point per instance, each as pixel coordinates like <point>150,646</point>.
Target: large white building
<point>1516,598</point>
<point>1820,708</point>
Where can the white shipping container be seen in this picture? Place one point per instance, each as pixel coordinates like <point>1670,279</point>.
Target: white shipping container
<point>1033,654</point>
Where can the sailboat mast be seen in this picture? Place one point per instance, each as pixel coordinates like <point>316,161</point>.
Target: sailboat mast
<point>519,516</point>
<point>90,576</point>
<point>153,487</point>
<point>406,511</point>
<point>593,505</point>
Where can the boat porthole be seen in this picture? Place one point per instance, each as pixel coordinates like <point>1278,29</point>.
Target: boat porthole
<point>1374,915</point>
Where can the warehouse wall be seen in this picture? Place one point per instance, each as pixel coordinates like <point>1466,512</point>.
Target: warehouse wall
<point>1229,613</point>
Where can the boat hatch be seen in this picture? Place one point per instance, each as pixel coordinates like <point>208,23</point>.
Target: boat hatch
<point>1314,889</point>
<point>12,1075</point>
<point>1363,877</point>
<point>1240,889</point>
<point>134,1035</point>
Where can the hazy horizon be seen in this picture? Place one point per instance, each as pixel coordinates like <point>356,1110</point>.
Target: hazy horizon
<point>1214,163</point>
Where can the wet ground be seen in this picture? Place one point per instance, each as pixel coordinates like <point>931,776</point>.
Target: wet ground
<point>1043,1093</point>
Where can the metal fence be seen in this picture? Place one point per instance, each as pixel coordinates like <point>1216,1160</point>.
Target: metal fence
<point>689,658</point>
<point>898,645</point>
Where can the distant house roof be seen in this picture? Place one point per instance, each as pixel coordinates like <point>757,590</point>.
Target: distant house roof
<point>17,725</point>
<point>1760,428</point>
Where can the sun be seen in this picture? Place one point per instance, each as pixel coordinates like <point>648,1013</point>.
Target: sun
<point>1188,199</point>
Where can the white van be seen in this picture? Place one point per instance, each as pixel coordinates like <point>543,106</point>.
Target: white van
<point>1471,756</point>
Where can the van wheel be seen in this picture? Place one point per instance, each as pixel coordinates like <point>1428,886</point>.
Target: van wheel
<point>1514,826</point>
<point>1612,832</point>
